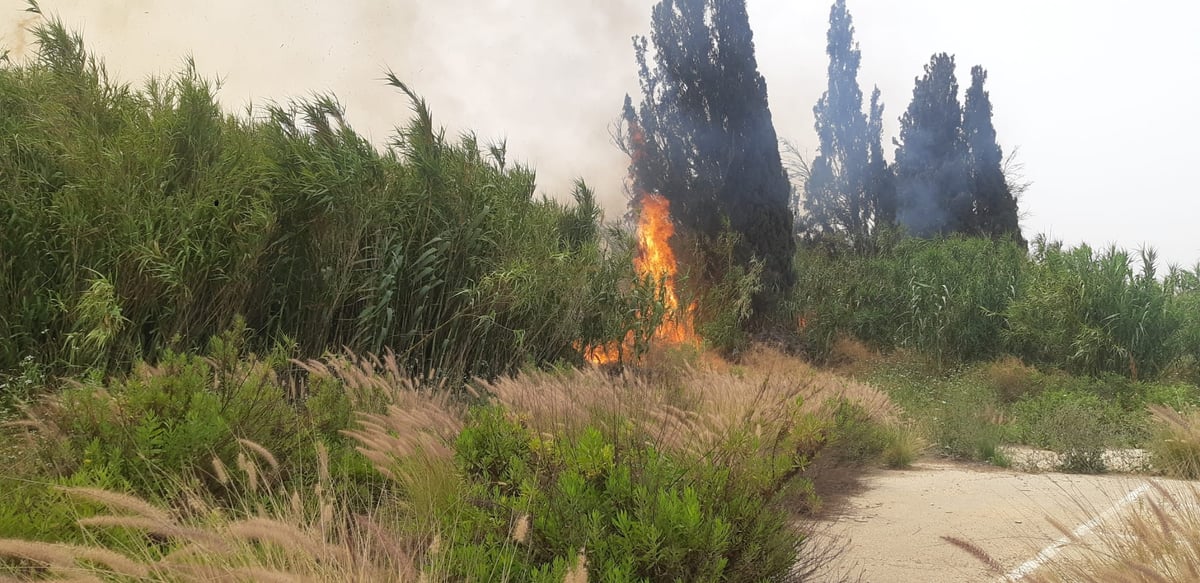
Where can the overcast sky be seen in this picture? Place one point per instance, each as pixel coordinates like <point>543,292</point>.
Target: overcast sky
<point>1099,96</point>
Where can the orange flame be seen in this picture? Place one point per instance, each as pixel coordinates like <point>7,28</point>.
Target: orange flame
<point>656,260</point>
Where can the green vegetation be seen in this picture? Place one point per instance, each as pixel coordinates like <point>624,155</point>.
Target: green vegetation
<point>183,298</point>
<point>191,470</point>
<point>971,411</point>
<point>142,220</point>
<point>963,300</point>
<point>259,347</point>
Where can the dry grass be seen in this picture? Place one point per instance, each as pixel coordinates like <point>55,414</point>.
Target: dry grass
<point>695,411</point>
<point>293,537</point>
<point>1011,379</point>
<point>905,445</point>
<point>850,356</point>
<point>1156,541</point>
<point>1175,449</point>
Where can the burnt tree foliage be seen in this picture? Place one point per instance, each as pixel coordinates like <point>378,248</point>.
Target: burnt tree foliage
<point>704,139</point>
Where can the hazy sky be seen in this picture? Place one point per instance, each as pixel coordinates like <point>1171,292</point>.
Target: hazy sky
<point>1098,95</point>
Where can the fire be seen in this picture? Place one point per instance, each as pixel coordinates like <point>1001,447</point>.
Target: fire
<point>656,260</point>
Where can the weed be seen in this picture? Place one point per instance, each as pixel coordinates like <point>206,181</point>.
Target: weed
<point>903,445</point>
<point>1011,379</point>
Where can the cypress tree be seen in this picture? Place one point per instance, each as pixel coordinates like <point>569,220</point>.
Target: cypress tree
<point>710,146</point>
<point>835,193</point>
<point>932,179</point>
<point>995,206</point>
<point>849,191</point>
<point>881,186</point>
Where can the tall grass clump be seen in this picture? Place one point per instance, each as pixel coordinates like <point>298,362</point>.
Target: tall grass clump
<point>942,298</point>
<point>962,300</point>
<point>1093,313</point>
<point>142,219</point>
<point>1175,445</point>
<point>1184,287</point>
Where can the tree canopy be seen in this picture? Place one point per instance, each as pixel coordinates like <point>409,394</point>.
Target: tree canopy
<point>705,137</point>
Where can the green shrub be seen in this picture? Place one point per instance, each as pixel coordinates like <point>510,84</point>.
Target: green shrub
<point>855,437</point>
<point>162,427</point>
<point>641,514</point>
<point>1079,425</point>
<point>967,427</point>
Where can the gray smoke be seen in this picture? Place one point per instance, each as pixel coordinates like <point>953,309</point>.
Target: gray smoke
<point>547,75</point>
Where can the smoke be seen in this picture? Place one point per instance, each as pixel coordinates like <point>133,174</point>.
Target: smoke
<point>922,211</point>
<point>546,75</point>
<point>15,38</point>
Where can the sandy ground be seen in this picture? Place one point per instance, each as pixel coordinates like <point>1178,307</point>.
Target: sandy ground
<point>893,522</point>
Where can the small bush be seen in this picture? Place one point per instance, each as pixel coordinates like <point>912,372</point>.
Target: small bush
<point>855,437</point>
<point>1079,425</point>
<point>1011,379</point>
<point>967,422</point>
<point>642,514</point>
<point>904,445</point>
<point>158,431</point>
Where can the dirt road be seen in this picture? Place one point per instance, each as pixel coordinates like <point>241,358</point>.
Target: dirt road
<point>895,522</point>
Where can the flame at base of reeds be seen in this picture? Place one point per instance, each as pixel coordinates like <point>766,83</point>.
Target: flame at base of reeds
<point>655,261</point>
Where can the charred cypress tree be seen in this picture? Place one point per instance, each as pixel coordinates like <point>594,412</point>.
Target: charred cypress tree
<point>710,146</point>
<point>933,186</point>
<point>995,206</point>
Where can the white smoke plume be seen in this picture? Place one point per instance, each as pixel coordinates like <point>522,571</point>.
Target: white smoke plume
<point>546,75</point>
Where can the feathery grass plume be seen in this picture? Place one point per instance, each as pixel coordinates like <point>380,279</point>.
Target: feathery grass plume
<point>520,529</point>
<point>197,536</point>
<point>221,472</point>
<point>262,452</point>
<point>266,575</point>
<point>288,537</point>
<point>121,502</point>
<point>65,558</point>
<point>978,553</point>
<point>578,572</point>
<point>1154,541</point>
<point>250,468</point>
<point>323,475</point>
